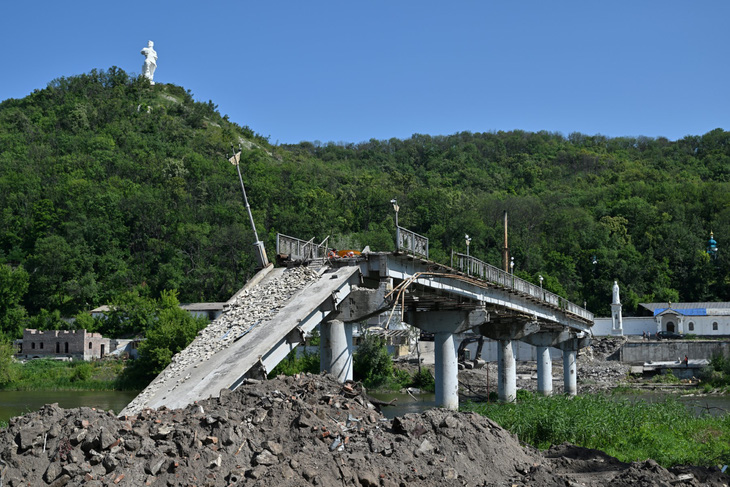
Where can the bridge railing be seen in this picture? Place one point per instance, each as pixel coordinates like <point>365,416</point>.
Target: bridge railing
<point>475,267</point>
<point>411,242</point>
<point>299,249</point>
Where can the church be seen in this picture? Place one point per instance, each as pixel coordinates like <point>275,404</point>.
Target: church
<point>701,319</point>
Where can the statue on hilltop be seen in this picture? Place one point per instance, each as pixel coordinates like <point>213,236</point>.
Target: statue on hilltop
<point>616,299</point>
<point>150,61</point>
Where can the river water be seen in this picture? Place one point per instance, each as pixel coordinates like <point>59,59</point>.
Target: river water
<point>16,403</point>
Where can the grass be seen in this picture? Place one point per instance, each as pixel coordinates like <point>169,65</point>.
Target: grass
<point>54,375</point>
<point>628,430</point>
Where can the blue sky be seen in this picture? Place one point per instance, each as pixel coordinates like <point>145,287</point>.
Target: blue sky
<point>352,71</point>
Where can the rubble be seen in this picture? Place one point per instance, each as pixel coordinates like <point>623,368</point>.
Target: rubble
<point>302,430</point>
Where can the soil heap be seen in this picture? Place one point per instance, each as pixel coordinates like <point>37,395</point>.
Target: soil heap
<point>297,431</point>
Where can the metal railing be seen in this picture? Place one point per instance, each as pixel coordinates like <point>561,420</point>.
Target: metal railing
<point>298,249</point>
<point>475,267</point>
<point>411,242</point>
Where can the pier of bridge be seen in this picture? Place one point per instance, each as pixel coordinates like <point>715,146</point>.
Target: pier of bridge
<point>439,299</point>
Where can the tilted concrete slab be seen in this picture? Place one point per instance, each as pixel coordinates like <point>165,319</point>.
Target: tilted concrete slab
<point>263,346</point>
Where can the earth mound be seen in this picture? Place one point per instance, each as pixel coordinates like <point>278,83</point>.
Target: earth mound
<point>302,430</point>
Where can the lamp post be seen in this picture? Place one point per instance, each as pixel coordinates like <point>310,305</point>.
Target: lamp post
<point>541,278</point>
<point>542,294</point>
<point>259,245</point>
<point>397,228</point>
<point>512,266</point>
<point>468,241</point>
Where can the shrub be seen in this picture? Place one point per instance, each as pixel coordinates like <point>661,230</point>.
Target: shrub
<point>371,363</point>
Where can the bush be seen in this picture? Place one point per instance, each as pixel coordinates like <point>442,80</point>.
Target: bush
<point>371,363</point>
<point>424,380</point>
<point>291,365</point>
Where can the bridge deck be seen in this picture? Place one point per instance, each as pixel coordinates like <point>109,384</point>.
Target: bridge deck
<point>198,375</point>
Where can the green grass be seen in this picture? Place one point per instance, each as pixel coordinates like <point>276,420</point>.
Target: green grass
<point>53,375</point>
<point>628,430</point>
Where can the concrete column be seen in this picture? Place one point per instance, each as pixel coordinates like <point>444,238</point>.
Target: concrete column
<point>336,349</point>
<point>570,383</point>
<point>507,372</point>
<point>544,371</point>
<point>447,380</point>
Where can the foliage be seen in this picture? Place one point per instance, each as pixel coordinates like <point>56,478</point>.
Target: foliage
<point>13,286</point>
<point>172,329</point>
<point>630,430</point>
<point>50,375</point>
<point>296,364</point>
<point>7,372</point>
<point>717,372</point>
<point>110,186</point>
<point>423,380</point>
<point>371,363</point>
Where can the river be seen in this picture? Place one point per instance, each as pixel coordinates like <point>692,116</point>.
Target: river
<point>15,403</point>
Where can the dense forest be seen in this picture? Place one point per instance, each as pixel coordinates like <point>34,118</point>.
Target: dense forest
<point>111,187</point>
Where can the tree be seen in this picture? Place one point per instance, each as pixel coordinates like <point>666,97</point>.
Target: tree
<point>371,363</point>
<point>13,286</point>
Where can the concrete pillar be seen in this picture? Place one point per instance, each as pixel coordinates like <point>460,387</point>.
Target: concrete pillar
<point>569,373</point>
<point>447,380</point>
<point>336,349</point>
<point>544,371</point>
<point>507,372</point>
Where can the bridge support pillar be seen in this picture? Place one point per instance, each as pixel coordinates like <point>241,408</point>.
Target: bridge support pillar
<point>447,370</point>
<point>506,372</point>
<point>336,349</point>
<point>444,325</point>
<point>570,383</point>
<point>544,371</point>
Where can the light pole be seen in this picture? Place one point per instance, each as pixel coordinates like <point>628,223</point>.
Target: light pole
<point>512,266</point>
<point>468,241</point>
<point>397,228</point>
<point>542,294</point>
<point>259,245</point>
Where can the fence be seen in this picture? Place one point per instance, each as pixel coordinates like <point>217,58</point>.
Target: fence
<point>300,249</point>
<point>482,270</point>
<point>411,242</point>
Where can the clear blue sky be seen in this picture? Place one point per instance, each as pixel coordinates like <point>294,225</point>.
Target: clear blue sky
<point>352,71</point>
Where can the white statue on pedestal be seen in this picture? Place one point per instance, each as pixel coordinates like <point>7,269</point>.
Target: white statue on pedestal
<point>150,61</point>
<point>616,299</point>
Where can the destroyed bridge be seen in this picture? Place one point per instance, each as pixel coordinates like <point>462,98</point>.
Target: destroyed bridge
<point>272,313</point>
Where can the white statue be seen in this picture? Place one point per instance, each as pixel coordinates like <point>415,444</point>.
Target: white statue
<point>150,61</point>
<point>616,299</point>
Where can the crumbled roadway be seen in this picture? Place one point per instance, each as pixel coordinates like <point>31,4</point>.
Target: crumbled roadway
<point>231,345</point>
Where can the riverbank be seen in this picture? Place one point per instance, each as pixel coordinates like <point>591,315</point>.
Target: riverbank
<point>302,430</point>
<point>55,375</point>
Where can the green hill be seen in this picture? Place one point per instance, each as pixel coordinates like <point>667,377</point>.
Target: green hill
<point>108,184</point>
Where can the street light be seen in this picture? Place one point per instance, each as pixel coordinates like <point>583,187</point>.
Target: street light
<point>512,266</point>
<point>468,241</point>
<point>397,228</point>
<point>541,278</point>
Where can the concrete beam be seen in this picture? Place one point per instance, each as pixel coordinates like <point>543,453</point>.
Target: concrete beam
<point>452,321</point>
<point>511,331</point>
<point>447,371</point>
<point>362,303</point>
<point>544,371</point>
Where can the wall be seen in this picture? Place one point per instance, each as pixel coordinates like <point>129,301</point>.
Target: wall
<point>76,344</point>
<point>633,325</point>
<point>668,350</point>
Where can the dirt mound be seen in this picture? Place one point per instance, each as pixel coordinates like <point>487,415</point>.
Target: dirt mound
<point>305,430</point>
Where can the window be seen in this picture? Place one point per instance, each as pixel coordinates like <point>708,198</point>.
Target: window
<point>89,345</point>
<point>65,346</point>
<point>32,345</point>
<point>691,326</point>
<point>714,325</point>
<point>58,347</point>
<point>41,345</point>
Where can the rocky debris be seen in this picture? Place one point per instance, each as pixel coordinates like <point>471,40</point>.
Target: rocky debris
<point>300,430</point>
<point>251,308</point>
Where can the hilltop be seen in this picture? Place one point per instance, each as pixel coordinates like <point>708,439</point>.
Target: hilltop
<point>110,185</point>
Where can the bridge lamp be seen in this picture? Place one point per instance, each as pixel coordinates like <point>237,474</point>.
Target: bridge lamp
<point>468,241</point>
<point>512,265</point>
<point>541,278</point>
<point>396,208</point>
